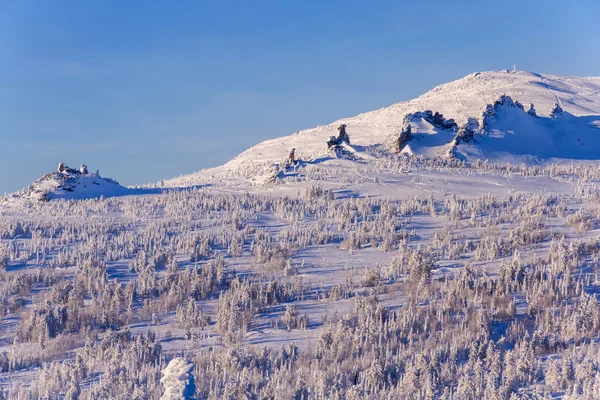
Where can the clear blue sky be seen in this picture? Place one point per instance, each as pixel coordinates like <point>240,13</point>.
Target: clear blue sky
<point>145,90</point>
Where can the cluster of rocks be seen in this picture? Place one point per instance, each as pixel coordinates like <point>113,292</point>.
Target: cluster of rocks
<point>467,132</point>
<point>436,119</point>
<point>66,179</point>
<point>335,142</point>
<point>489,114</point>
<point>64,169</point>
<point>405,137</point>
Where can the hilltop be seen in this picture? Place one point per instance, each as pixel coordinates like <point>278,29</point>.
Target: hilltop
<point>468,97</point>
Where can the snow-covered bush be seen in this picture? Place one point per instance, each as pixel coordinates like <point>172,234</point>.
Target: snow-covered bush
<point>178,380</point>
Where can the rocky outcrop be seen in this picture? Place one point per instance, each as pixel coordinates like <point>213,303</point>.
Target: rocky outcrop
<point>489,114</point>
<point>405,137</point>
<point>70,183</point>
<point>334,142</point>
<point>436,119</point>
<point>557,111</point>
<point>467,132</point>
<point>342,134</point>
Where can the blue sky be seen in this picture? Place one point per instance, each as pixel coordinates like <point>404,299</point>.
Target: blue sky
<point>145,90</point>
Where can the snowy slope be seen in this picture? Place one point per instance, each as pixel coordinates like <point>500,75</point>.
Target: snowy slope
<point>460,99</point>
<point>514,135</point>
<point>71,185</point>
<point>466,97</point>
<point>508,133</point>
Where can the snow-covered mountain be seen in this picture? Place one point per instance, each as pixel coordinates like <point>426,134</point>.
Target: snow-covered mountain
<point>509,134</point>
<point>242,274</point>
<point>71,184</point>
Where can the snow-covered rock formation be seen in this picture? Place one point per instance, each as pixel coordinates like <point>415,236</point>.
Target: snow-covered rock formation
<point>404,137</point>
<point>491,110</point>
<point>557,111</point>
<point>458,100</point>
<point>467,132</point>
<point>426,134</point>
<point>511,134</point>
<point>70,183</point>
<point>437,120</point>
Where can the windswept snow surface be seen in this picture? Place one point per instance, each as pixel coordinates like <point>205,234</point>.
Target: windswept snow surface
<point>460,99</point>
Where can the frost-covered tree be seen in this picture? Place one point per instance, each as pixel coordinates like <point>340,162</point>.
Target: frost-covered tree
<point>178,380</point>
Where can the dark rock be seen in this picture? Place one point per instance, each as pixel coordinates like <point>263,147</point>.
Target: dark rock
<point>405,137</point>
<point>557,111</point>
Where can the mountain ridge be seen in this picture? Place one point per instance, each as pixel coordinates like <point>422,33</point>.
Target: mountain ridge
<point>460,100</point>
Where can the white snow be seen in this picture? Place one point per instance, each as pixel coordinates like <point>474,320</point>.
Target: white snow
<point>460,99</point>
<point>515,133</point>
<point>351,220</point>
<point>178,380</point>
<point>428,141</point>
<point>71,185</point>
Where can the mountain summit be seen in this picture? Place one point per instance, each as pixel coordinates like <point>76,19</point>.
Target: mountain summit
<point>547,97</point>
